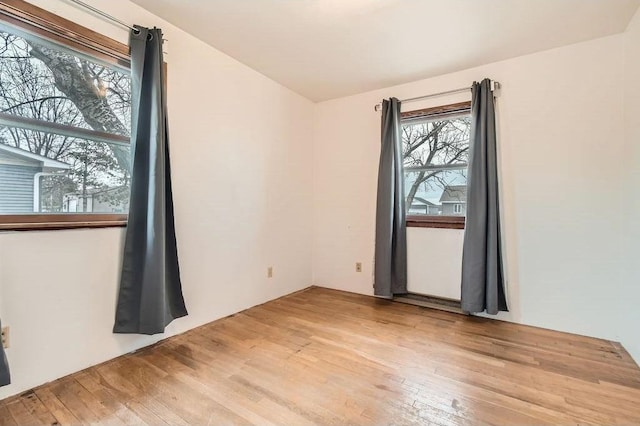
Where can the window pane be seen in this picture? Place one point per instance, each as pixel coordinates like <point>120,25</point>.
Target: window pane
<point>56,170</point>
<point>43,81</point>
<point>48,173</point>
<point>436,142</point>
<point>436,192</point>
<point>435,156</point>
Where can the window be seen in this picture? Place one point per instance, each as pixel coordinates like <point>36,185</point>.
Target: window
<point>65,116</point>
<point>435,146</point>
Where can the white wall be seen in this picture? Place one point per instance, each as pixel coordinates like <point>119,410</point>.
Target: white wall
<point>240,158</point>
<point>631,184</point>
<point>441,249</point>
<point>561,149</point>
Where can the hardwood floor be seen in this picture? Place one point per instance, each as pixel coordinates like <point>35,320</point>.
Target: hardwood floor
<point>327,357</point>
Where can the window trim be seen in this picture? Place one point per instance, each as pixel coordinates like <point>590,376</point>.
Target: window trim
<point>441,222</point>
<point>441,111</point>
<point>40,22</point>
<point>57,221</point>
<point>10,120</point>
<point>59,30</point>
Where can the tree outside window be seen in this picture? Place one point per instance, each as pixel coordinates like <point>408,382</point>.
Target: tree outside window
<point>45,90</point>
<point>435,157</point>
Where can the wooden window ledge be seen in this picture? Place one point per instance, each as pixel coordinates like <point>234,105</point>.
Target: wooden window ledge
<point>443,222</point>
<point>50,222</point>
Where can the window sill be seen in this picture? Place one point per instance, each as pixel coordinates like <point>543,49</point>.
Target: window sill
<point>442,222</point>
<point>51,222</point>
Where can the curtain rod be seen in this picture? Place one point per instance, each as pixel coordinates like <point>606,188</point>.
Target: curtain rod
<point>104,14</point>
<point>494,85</point>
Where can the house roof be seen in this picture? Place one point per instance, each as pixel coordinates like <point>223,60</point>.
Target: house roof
<point>454,194</point>
<point>424,202</point>
<point>30,156</point>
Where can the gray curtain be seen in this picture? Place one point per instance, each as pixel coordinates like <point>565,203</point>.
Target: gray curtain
<point>5,377</point>
<point>391,232</point>
<point>150,295</point>
<point>482,278</point>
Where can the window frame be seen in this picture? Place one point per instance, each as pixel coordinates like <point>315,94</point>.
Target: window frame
<point>441,111</point>
<point>40,22</point>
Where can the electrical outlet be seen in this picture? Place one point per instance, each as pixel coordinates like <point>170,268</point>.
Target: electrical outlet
<point>5,337</point>
<point>358,267</point>
<point>270,272</point>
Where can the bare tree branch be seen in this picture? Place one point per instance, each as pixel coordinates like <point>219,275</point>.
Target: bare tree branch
<point>78,84</point>
<point>33,101</point>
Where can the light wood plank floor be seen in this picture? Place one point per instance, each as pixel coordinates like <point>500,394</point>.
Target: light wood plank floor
<point>327,357</point>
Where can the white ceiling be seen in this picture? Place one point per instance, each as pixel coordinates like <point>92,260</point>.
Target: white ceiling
<point>325,49</point>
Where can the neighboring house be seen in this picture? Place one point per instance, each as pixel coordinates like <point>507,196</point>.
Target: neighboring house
<point>109,200</point>
<point>422,206</point>
<point>20,173</point>
<point>454,200</point>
